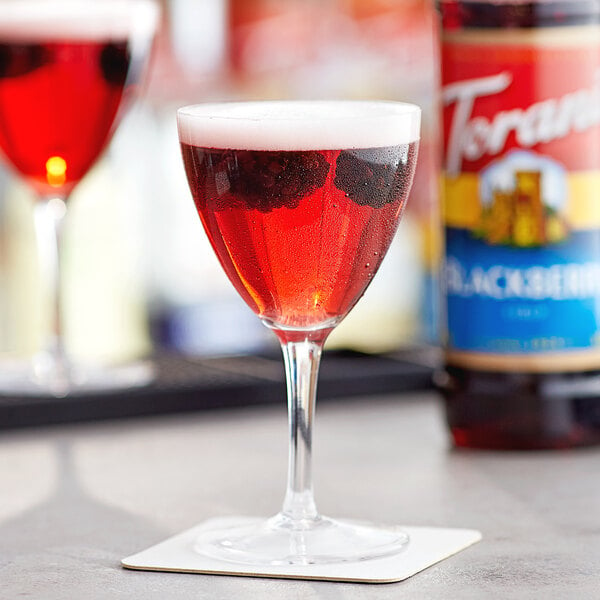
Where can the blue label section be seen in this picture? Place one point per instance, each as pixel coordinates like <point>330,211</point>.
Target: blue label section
<point>503,299</point>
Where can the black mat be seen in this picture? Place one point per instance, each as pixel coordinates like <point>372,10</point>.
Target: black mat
<point>190,384</point>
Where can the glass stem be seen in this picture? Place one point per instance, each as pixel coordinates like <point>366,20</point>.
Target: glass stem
<point>302,359</point>
<point>49,216</point>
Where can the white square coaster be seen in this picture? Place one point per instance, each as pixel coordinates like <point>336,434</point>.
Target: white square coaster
<point>427,546</point>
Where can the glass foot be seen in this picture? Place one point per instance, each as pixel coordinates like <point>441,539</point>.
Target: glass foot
<point>281,541</point>
<point>39,377</point>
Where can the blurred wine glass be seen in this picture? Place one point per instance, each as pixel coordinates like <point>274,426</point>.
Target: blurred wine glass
<point>68,71</point>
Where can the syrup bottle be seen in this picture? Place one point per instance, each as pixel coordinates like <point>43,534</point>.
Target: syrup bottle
<point>521,108</point>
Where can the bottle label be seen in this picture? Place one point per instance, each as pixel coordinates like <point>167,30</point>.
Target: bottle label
<point>522,198</point>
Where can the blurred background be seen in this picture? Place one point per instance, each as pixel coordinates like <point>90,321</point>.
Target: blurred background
<point>140,276</point>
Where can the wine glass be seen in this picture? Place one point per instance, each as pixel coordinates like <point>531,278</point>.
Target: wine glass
<point>300,201</point>
<point>68,68</point>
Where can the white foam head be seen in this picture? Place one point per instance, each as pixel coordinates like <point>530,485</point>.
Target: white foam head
<point>299,125</point>
<point>34,21</point>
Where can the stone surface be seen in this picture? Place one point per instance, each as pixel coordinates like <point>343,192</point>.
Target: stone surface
<point>75,500</point>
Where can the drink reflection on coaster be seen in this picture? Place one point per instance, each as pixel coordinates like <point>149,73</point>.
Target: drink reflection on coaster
<point>300,201</point>
<point>68,68</point>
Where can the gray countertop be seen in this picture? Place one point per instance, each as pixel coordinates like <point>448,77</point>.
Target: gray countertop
<point>74,500</point>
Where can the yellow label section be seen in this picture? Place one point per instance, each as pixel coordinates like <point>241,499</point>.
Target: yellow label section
<point>462,207</point>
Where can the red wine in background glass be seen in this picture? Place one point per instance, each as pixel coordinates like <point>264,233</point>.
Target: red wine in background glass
<point>67,70</point>
<point>58,103</point>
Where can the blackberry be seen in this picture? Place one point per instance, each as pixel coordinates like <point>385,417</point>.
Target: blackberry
<point>114,63</point>
<point>20,59</point>
<point>369,177</point>
<point>266,180</point>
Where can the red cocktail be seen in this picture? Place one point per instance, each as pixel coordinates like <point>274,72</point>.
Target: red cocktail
<point>300,201</point>
<point>300,233</point>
